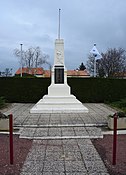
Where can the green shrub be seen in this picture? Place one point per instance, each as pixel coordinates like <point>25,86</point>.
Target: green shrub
<point>2,102</point>
<point>119,114</point>
<point>121,104</point>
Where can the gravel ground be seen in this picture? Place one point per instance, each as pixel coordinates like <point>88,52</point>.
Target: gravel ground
<point>104,147</point>
<point>22,146</point>
<point>21,149</point>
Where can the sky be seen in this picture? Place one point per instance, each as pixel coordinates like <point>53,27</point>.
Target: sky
<point>83,23</point>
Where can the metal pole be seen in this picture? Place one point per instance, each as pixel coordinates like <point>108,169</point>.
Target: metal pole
<point>59,25</point>
<point>94,63</point>
<point>21,59</point>
<point>94,67</point>
<point>114,139</point>
<point>11,137</point>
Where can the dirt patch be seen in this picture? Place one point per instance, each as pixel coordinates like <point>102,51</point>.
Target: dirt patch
<point>105,147</point>
<point>21,149</point>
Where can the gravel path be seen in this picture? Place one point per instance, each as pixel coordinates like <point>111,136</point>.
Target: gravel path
<point>21,149</point>
<point>64,157</point>
<point>104,148</point>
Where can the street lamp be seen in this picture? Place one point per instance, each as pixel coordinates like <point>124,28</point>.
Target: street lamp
<point>21,59</point>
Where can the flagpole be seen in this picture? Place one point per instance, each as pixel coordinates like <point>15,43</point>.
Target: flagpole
<point>94,64</point>
<point>96,55</point>
<point>59,25</point>
<point>21,59</point>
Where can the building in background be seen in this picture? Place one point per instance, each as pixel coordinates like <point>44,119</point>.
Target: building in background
<point>78,73</point>
<point>40,72</point>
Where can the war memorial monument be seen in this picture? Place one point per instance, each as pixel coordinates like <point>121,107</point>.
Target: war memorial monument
<point>59,98</point>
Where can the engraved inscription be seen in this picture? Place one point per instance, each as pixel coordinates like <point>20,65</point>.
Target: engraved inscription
<point>59,75</point>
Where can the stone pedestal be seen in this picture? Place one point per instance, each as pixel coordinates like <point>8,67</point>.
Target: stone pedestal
<point>59,101</point>
<point>59,98</point>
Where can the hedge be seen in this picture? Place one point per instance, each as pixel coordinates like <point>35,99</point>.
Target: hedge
<point>23,89</point>
<point>98,89</point>
<point>85,89</point>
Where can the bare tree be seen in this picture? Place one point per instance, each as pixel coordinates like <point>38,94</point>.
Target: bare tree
<point>6,73</point>
<point>100,68</point>
<point>112,63</point>
<point>32,57</point>
<point>90,64</point>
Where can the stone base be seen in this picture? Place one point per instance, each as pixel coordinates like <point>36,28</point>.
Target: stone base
<point>58,90</point>
<point>59,100</point>
<point>59,104</point>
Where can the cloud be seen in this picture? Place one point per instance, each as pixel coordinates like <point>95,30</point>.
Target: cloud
<point>83,23</point>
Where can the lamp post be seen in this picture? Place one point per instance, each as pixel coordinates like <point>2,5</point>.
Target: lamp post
<point>21,59</point>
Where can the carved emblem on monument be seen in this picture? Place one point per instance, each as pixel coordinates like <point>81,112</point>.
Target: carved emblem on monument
<point>59,57</point>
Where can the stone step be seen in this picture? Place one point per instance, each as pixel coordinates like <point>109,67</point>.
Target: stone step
<point>58,108</point>
<point>68,97</point>
<point>60,138</point>
<point>55,110</point>
<point>60,133</point>
<point>58,103</point>
<point>59,126</point>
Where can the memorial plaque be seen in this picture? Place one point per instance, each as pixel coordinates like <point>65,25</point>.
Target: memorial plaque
<point>59,75</point>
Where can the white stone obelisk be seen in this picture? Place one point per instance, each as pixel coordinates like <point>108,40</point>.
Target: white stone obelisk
<point>59,98</point>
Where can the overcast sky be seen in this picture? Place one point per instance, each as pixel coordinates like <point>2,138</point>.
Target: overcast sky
<point>83,23</point>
